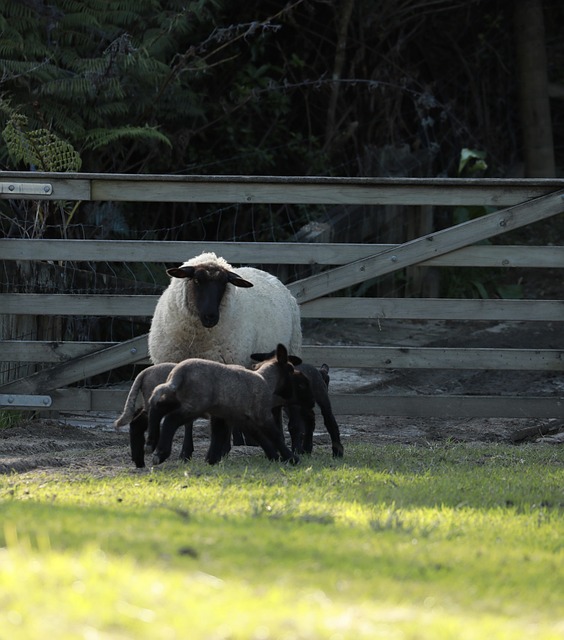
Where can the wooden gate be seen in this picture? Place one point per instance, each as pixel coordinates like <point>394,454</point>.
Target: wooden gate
<point>519,203</point>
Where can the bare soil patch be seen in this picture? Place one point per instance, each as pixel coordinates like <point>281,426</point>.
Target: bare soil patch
<point>89,444</point>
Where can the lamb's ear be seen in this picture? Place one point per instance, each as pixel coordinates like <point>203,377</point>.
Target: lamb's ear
<point>281,354</point>
<point>295,360</point>
<point>236,280</point>
<point>181,272</point>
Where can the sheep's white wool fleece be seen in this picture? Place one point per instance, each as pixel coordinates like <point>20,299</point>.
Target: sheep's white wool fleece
<point>251,320</point>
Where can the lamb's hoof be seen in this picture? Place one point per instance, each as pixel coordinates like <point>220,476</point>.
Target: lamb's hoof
<point>294,459</point>
<point>159,457</point>
<point>338,450</point>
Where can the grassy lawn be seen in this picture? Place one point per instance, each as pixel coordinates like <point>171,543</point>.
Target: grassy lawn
<point>454,541</point>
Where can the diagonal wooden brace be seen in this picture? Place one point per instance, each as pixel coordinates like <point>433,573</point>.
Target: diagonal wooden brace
<point>428,246</point>
<point>76,369</point>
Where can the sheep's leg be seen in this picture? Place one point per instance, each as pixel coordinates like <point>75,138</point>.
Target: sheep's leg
<point>169,426</point>
<point>137,428</point>
<point>188,442</point>
<point>220,435</point>
<point>332,428</point>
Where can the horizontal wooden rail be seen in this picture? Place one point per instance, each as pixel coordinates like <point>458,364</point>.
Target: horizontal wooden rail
<point>443,406</point>
<point>274,189</point>
<point>372,357</point>
<point>268,252</point>
<point>372,308</point>
<point>435,309</point>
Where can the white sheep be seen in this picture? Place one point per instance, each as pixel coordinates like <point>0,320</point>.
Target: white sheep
<point>210,311</point>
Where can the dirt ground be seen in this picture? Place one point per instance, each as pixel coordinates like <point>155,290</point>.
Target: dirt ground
<point>89,443</point>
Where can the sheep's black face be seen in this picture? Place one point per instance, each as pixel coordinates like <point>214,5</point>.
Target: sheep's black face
<point>208,282</point>
<point>208,294</point>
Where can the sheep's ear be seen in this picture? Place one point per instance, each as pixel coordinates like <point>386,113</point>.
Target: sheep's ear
<point>295,360</point>
<point>181,272</point>
<point>261,357</point>
<point>236,280</point>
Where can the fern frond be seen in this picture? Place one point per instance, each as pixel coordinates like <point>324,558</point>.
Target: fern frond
<point>98,138</point>
<point>40,147</point>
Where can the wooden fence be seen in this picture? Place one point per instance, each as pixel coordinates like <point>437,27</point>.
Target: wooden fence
<point>519,203</point>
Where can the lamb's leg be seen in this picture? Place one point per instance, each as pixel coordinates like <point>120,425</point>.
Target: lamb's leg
<point>308,420</point>
<point>220,434</point>
<point>332,427</point>
<point>272,441</point>
<point>156,413</point>
<point>137,428</point>
<point>268,446</point>
<point>296,428</point>
<point>169,426</point>
<point>188,442</point>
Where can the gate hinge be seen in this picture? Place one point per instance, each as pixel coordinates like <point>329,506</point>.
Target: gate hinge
<point>24,400</point>
<point>26,188</point>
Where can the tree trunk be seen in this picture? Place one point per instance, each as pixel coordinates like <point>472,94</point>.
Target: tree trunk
<point>338,65</point>
<point>536,121</point>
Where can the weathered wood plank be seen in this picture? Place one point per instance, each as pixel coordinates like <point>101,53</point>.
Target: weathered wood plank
<point>434,309</point>
<point>268,252</point>
<point>298,193</point>
<point>55,304</point>
<point>427,247</point>
<point>80,368</point>
<point>449,406</point>
<point>42,351</point>
<point>357,404</point>
<point>371,308</point>
<point>436,358</point>
<point>286,189</point>
<point>349,356</point>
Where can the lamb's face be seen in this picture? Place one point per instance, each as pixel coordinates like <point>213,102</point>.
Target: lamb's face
<point>206,285</point>
<point>302,393</point>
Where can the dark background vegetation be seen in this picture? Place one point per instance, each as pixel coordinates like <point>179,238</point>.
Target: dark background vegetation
<point>304,87</point>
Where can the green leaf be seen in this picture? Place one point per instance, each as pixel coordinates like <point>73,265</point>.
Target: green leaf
<point>472,161</point>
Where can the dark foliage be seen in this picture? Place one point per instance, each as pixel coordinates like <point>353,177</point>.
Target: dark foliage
<point>305,87</point>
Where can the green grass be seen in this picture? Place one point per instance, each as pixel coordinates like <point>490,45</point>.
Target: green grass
<point>10,418</point>
<point>457,541</point>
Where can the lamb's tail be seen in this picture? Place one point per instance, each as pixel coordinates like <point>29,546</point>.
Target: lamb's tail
<point>129,408</point>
